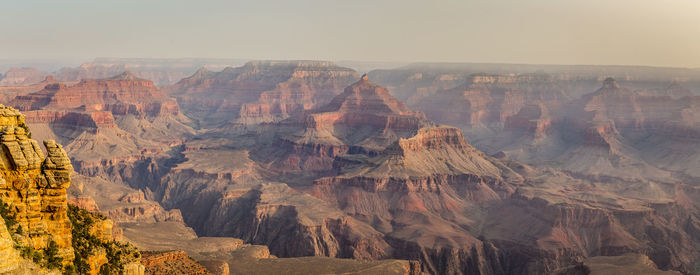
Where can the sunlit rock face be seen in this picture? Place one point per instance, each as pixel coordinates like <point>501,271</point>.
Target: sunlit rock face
<point>34,185</point>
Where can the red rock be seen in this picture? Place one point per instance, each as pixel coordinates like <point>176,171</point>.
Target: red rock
<point>260,91</point>
<point>94,103</point>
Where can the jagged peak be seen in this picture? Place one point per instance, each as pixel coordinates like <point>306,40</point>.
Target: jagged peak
<point>365,96</point>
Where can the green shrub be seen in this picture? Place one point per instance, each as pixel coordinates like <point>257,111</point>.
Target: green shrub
<point>51,256</point>
<point>7,215</point>
<point>85,244</point>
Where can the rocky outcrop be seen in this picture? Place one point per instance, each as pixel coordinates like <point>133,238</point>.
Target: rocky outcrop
<point>364,118</point>
<point>259,91</point>
<point>124,94</point>
<point>34,196</point>
<point>171,262</point>
<point>98,107</point>
<point>34,186</point>
<point>217,267</point>
<point>121,119</point>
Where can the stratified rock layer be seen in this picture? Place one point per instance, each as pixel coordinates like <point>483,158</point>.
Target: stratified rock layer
<point>259,91</point>
<point>34,186</point>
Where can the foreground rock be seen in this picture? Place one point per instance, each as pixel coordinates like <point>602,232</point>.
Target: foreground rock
<point>37,219</point>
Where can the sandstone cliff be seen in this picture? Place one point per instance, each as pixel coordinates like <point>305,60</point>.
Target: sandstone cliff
<point>34,198</point>
<point>34,186</point>
<point>117,120</point>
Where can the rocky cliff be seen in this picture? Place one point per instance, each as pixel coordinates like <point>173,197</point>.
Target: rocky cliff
<point>34,201</point>
<point>94,115</point>
<point>486,101</point>
<point>364,118</point>
<point>365,177</point>
<point>34,186</point>
<point>121,95</point>
<point>346,180</point>
<point>259,91</point>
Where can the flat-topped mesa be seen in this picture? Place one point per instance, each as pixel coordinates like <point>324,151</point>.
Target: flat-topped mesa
<point>486,100</point>
<point>260,91</point>
<point>34,185</point>
<point>489,79</point>
<point>95,102</point>
<point>294,64</point>
<point>431,138</point>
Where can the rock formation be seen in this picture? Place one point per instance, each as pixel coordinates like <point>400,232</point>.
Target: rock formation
<point>388,183</point>
<point>162,72</point>
<point>259,91</point>
<point>34,186</point>
<point>360,175</point>
<point>92,116</point>
<point>171,262</point>
<point>34,197</point>
<point>365,117</point>
<point>21,76</point>
<point>486,101</point>
<point>121,95</point>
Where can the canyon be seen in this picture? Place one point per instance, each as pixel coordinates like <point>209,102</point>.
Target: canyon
<point>450,169</point>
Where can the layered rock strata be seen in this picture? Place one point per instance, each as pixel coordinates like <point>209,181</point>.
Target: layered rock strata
<point>34,186</point>
<point>259,91</point>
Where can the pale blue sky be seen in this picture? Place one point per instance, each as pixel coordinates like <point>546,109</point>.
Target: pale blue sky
<point>624,32</point>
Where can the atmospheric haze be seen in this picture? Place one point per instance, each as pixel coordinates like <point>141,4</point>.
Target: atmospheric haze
<point>620,32</point>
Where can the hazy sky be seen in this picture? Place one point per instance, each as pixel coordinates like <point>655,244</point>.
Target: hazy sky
<point>625,32</point>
